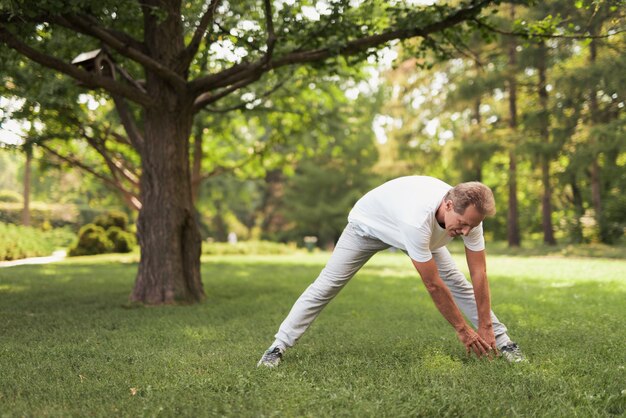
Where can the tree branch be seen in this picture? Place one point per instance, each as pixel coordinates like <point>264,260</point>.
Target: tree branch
<point>88,79</point>
<point>96,31</point>
<point>237,74</point>
<point>121,139</point>
<point>258,152</point>
<point>245,103</point>
<point>121,36</point>
<point>116,166</point>
<point>527,35</point>
<point>208,98</point>
<point>271,36</point>
<point>363,44</point>
<point>130,197</point>
<point>135,136</point>
<point>190,51</point>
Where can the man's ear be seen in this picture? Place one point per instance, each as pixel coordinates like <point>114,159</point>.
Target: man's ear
<point>449,205</point>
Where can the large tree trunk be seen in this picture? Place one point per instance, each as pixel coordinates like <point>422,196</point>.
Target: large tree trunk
<point>169,269</point>
<point>512,232</point>
<point>27,175</point>
<point>548,230</point>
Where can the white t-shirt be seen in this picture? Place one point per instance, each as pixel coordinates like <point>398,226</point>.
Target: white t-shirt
<point>402,212</point>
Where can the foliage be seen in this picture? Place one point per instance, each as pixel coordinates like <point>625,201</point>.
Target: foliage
<point>73,348</point>
<point>112,219</point>
<point>43,215</point>
<point>51,215</point>
<point>465,102</point>
<point>109,233</point>
<point>92,239</point>
<point>10,196</point>
<point>22,242</point>
<point>123,241</point>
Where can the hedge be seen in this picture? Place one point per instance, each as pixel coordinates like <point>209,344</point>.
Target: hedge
<point>22,241</point>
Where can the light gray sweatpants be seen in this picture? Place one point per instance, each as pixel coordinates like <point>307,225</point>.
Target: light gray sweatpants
<point>352,251</point>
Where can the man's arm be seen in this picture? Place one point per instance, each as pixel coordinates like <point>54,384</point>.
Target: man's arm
<point>442,297</point>
<point>478,272</point>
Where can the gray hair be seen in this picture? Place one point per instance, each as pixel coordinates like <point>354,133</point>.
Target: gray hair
<point>472,193</point>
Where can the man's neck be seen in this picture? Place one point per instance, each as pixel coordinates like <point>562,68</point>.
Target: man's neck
<point>440,215</point>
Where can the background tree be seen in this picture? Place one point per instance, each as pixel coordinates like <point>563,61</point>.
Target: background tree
<point>327,184</point>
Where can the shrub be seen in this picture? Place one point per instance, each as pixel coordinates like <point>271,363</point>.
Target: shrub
<point>107,234</point>
<point>111,219</point>
<point>10,196</point>
<point>92,239</point>
<point>123,241</point>
<point>20,242</point>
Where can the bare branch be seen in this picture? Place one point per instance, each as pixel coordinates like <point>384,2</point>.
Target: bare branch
<point>88,79</point>
<point>191,49</point>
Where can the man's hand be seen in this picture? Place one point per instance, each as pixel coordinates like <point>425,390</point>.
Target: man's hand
<point>474,342</point>
<point>486,333</point>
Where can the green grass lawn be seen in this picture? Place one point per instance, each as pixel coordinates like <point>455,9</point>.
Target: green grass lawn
<point>70,346</point>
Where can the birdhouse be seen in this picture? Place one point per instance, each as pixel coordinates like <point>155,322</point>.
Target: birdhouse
<point>96,61</point>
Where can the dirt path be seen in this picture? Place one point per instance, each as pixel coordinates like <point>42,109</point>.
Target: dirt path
<point>56,256</point>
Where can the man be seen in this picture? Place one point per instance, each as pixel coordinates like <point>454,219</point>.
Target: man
<point>419,215</point>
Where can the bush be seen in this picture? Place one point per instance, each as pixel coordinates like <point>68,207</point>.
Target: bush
<point>248,248</point>
<point>107,234</point>
<point>123,241</point>
<point>92,239</point>
<point>10,196</point>
<point>22,242</point>
<point>112,219</point>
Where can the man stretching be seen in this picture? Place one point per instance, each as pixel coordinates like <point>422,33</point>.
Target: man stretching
<point>419,215</point>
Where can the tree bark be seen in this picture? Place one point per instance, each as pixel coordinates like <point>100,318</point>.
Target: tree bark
<point>27,176</point>
<point>548,230</point>
<point>169,268</point>
<point>169,238</point>
<point>512,232</point>
<point>196,170</point>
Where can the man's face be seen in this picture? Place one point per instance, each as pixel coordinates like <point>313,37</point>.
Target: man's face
<point>457,224</point>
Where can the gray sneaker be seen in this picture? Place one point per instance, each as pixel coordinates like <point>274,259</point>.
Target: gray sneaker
<point>271,358</point>
<point>512,353</point>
